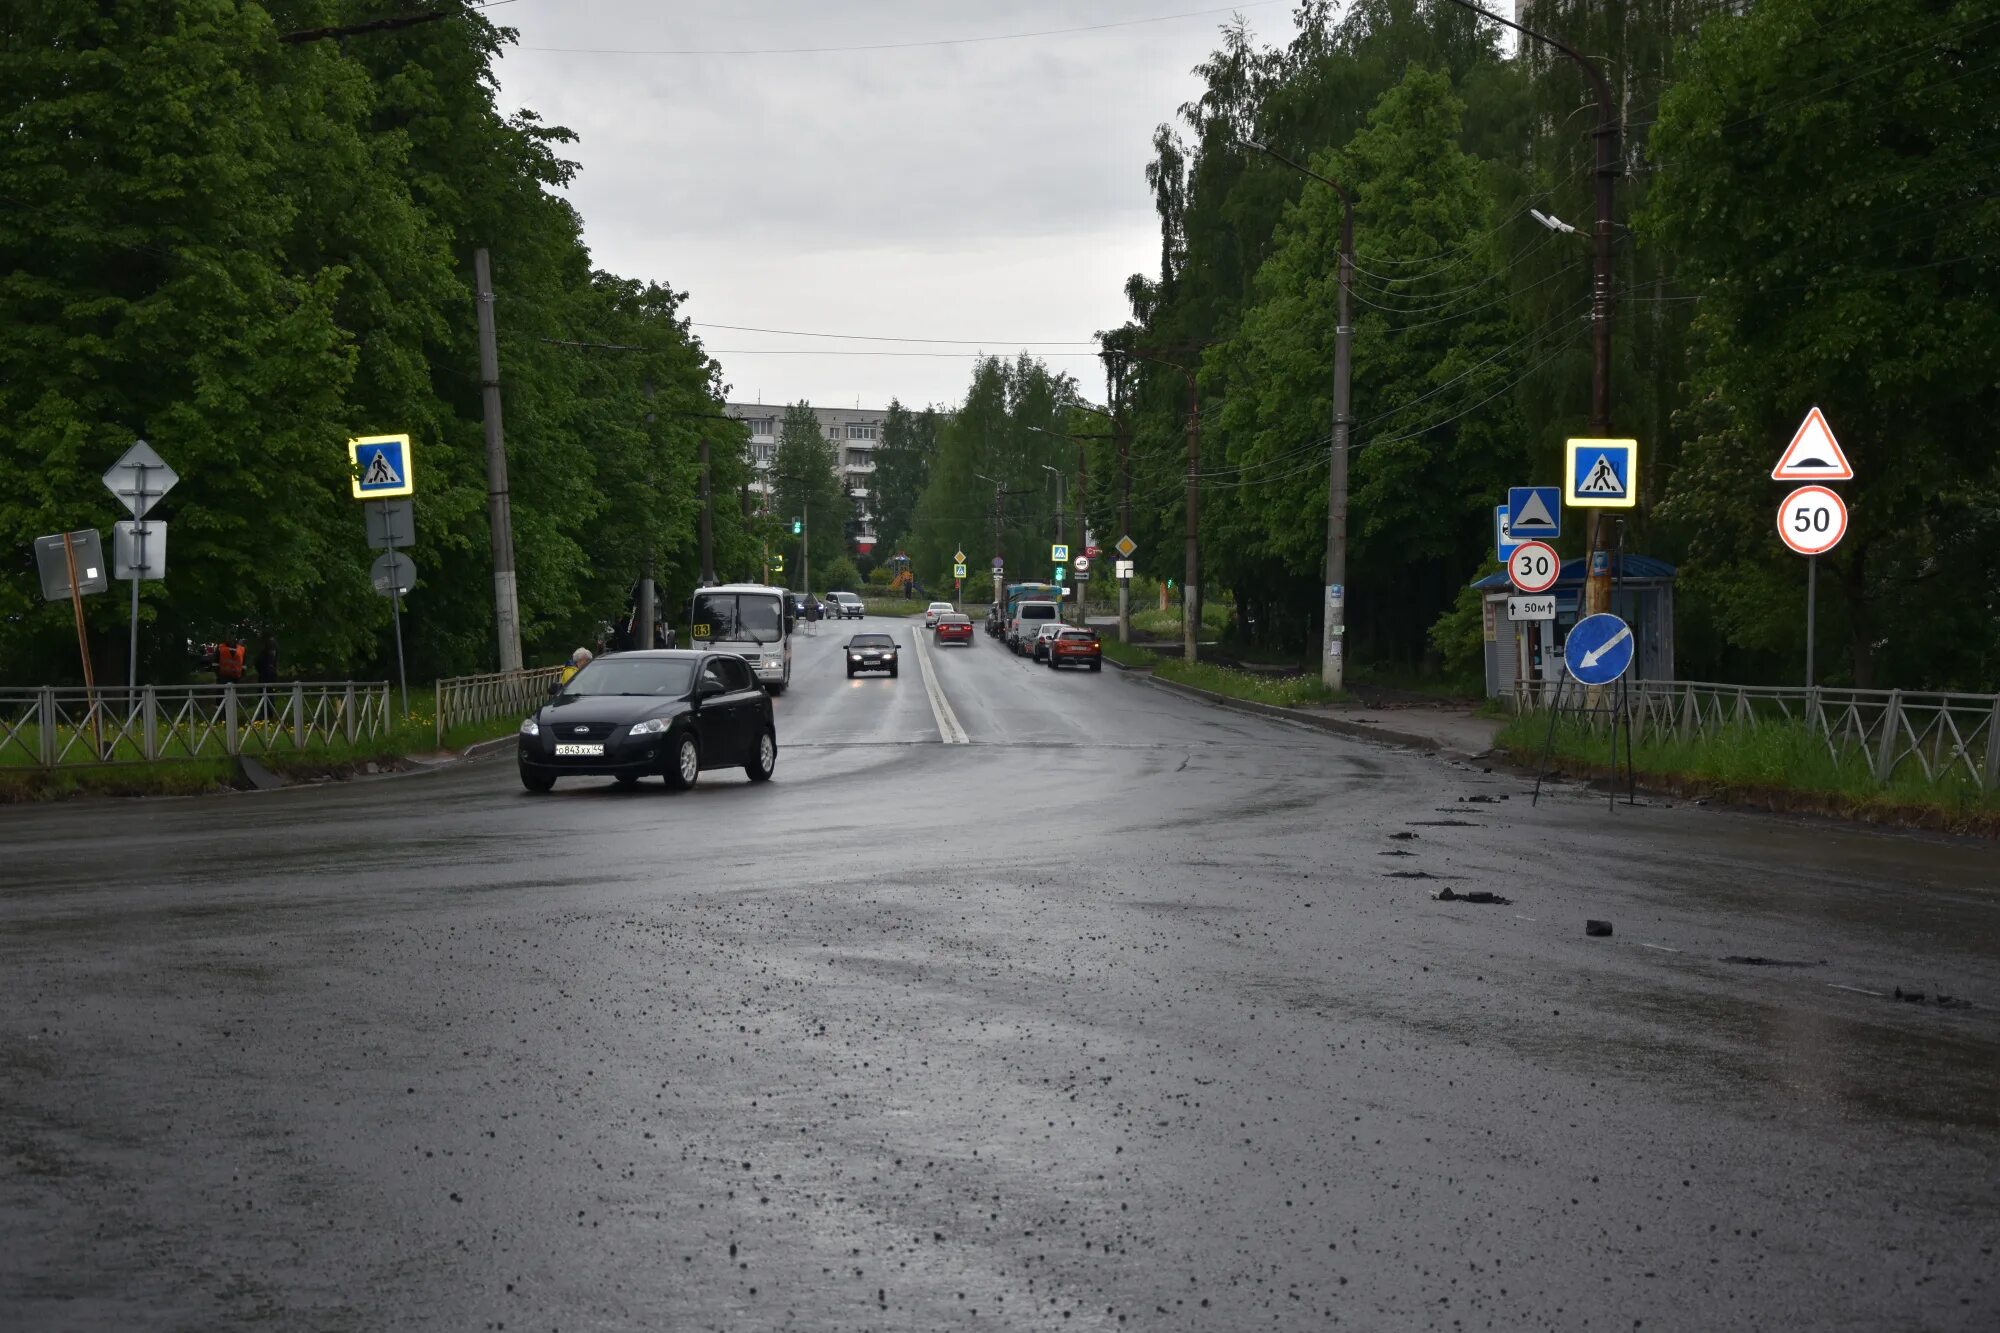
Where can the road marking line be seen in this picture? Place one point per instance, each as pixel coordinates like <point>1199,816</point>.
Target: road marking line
<point>1657,948</point>
<point>947,721</point>
<point>1856,989</point>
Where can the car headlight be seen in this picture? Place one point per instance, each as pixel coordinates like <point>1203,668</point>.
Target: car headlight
<point>530,727</point>
<point>652,726</point>
<point>854,657</point>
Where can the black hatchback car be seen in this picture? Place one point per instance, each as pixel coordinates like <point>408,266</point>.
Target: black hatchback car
<point>634,715</point>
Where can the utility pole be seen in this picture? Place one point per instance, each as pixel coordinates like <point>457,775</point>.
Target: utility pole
<point>499,518</point>
<point>1597,573</point>
<point>805,546</point>
<point>1191,593</point>
<point>1082,527</point>
<point>642,620</point>
<point>1332,659</point>
<point>707,518</point>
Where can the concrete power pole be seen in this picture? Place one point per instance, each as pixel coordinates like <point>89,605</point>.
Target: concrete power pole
<point>1191,594</point>
<point>707,518</point>
<point>642,621</point>
<point>499,517</point>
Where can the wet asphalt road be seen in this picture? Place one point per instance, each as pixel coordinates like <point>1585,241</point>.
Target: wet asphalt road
<point>1122,1015</point>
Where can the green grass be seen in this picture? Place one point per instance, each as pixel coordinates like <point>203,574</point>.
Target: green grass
<point>1282,691</point>
<point>1772,762</point>
<point>1214,619</point>
<point>894,606</point>
<point>1126,654</point>
<point>131,775</point>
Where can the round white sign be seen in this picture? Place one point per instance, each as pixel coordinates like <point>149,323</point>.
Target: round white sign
<point>1082,564</point>
<point>1812,520</point>
<point>1534,567</point>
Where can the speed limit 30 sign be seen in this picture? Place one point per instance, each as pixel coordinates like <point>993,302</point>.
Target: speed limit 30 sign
<point>1534,567</point>
<point>1812,520</point>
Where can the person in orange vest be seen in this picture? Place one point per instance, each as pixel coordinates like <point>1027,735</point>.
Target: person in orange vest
<point>229,661</point>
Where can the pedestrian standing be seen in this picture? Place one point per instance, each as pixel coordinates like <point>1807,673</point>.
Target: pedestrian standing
<point>267,661</point>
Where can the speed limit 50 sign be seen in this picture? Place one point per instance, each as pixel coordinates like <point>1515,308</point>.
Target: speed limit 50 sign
<point>1534,567</point>
<point>1812,520</point>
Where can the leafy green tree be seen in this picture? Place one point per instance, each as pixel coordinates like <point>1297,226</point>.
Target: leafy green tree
<point>806,487</point>
<point>902,467</point>
<point>1436,437</point>
<point>1825,176</point>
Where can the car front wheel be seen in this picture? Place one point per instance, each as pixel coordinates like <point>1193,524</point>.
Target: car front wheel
<point>684,762</point>
<point>764,761</point>
<point>537,782</point>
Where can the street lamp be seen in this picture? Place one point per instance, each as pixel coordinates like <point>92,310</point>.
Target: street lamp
<point>1332,668</point>
<point>1597,572</point>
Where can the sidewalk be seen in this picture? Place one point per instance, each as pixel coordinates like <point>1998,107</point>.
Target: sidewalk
<point>1446,727</point>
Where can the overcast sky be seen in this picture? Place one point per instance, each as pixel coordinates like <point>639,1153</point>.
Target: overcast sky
<point>989,190</point>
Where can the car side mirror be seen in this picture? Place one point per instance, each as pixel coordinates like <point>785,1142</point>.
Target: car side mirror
<point>705,687</point>
<point>555,688</point>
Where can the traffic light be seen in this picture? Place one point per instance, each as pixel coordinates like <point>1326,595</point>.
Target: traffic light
<point>797,527</point>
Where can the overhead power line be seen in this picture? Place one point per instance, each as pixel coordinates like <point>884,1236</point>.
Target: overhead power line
<point>899,46</point>
<point>888,338</point>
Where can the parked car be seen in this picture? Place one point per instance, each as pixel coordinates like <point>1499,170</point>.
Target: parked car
<point>934,610</point>
<point>1027,618</point>
<point>1076,647</point>
<point>871,652</point>
<point>634,715</point>
<point>845,605</point>
<point>954,628</point>
<point>1045,634</point>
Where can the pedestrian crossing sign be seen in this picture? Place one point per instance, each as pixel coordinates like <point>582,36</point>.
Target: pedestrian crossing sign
<point>381,467</point>
<point>1601,474</point>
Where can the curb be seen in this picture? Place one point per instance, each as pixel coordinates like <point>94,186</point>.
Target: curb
<point>1356,730</point>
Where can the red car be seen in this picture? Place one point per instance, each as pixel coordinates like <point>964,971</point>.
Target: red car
<point>954,628</point>
<point>1076,647</point>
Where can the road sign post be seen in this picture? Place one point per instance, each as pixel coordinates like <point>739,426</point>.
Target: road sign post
<point>1812,519</point>
<point>384,474</point>
<point>1125,546</point>
<point>394,574</point>
<point>139,478</point>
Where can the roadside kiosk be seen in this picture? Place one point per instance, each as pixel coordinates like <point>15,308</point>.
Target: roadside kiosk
<point>1531,651</point>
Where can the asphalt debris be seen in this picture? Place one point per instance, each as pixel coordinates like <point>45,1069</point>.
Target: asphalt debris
<point>1597,928</point>
<point>1480,896</point>
<point>1758,960</point>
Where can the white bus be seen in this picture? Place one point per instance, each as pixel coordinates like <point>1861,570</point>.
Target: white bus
<point>751,620</point>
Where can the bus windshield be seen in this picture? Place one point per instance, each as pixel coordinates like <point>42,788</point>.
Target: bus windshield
<point>739,617</point>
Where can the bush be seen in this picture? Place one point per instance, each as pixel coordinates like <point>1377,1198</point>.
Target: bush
<point>840,575</point>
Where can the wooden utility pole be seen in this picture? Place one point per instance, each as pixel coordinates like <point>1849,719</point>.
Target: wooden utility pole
<point>707,518</point>
<point>499,517</point>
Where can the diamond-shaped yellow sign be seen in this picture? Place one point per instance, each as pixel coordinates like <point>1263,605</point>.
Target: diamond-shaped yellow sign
<point>959,558</point>
<point>1126,546</point>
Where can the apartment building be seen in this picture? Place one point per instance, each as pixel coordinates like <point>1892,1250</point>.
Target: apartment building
<point>854,433</point>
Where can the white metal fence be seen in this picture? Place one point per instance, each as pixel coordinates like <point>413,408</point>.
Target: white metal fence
<point>462,699</point>
<point>55,727</point>
<point>1947,738</point>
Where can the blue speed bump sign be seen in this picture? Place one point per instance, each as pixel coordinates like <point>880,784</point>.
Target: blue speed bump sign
<point>384,468</point>
<point>1598,649</point>
<point>1503,538</point>
<point>1601,474</point>
<point>1534,513</point>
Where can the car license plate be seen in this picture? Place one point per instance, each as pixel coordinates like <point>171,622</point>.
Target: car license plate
<point>565,748</point>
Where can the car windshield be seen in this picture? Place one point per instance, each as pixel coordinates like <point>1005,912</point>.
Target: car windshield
<point>738,617</point>
<point>940,606</point>
<point>871,641</point>
<point>666,678</point>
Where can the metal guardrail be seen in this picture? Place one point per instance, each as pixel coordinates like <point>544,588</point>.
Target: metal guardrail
<point>462,699</point>
<point>1943,736</point>
<point>69,726</point>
